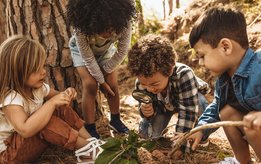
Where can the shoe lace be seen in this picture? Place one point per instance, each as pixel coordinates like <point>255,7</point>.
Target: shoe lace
<point>92,147</point>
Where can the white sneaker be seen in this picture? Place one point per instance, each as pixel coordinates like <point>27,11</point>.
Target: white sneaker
<point>91,148</point>
<point>229,160</point>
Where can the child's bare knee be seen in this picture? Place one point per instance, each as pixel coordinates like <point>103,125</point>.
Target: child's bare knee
<point>90,87</point>
<point>229,113</point>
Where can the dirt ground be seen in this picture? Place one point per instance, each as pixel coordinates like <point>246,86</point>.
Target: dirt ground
<point>217,150</point>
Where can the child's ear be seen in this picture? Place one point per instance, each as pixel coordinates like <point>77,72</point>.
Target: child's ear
<point>226,45</point>
<point>172,70</point>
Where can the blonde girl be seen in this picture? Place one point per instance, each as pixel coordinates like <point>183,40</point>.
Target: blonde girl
<point>32,115</point>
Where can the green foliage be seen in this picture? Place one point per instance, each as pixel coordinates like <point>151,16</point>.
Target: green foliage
<point>123,150</point>
<point>152,25</point>
<point>138,5</point>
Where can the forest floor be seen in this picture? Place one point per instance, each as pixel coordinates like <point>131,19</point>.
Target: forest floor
<point>217,150</point>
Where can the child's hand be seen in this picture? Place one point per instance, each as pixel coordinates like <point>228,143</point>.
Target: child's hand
<point>195,139</point>
<point>177,135</point>
<point>252,121</point>
<point>147,109</point>
<point>106,89</point>
<point>71,92</point>
<point>60,99</point>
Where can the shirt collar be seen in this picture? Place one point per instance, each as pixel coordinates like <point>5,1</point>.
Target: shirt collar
<point>246,64</point>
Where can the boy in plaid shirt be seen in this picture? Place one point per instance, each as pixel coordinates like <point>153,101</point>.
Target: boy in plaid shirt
<point>175,86</point>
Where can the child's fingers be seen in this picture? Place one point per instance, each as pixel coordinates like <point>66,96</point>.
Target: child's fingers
<point>110,91</point>
<point>195,143</point>
<point>107,88</point>
<point>147,111</point>
<point>249,120</point>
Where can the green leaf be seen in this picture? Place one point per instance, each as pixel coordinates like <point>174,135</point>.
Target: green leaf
<point>106,156</point>
<point>133,137</point>
<point>149,145</point>
<point>112,144</point>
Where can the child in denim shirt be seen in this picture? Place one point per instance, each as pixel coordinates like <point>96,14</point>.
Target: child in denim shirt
<point>220,39</point>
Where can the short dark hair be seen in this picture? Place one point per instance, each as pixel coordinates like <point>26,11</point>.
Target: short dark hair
<point>97,16</point>
<point>151,53</point>
<point>217,23</point>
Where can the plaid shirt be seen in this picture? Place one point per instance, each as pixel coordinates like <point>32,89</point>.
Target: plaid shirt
<point>183,96</point>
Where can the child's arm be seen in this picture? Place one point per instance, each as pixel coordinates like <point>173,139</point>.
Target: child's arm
<point>210,115</point>
<point>88,57</point>
<point>123,47</point>
<point>91,63</point>
<point>28,125</point>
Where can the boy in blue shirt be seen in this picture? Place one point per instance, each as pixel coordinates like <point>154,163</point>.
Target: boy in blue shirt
<point>220,40</point>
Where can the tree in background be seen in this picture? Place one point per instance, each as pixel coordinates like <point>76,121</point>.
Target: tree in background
<point>170,4</point>
<point>2,21</point>
<point>45,21</point>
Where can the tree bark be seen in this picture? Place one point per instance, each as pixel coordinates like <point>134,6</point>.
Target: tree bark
<point>177,4</point>
<point>164,9</point>
<point>170,2</point>
<point>2,21</point>
<point>140,19</point>
<point>45,21</point>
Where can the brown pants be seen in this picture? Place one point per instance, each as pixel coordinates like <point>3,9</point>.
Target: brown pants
<point>62,130</point>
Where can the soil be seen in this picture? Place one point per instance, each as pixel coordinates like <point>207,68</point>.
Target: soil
<point>217,150</point>
<point>219,147</point>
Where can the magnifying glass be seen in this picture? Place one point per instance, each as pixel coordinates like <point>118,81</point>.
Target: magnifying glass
<point>143,96</point>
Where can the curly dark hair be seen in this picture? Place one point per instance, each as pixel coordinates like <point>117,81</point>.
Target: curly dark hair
<point>152,53</point>
<point>98,16</point>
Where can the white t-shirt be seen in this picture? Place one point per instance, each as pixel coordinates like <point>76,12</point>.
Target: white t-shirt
<point>6,129</point>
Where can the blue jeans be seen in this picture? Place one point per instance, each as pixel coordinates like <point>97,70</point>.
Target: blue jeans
<point>154,127</point>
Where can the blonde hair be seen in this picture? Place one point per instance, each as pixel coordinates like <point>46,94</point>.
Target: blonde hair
<point>20,56</point>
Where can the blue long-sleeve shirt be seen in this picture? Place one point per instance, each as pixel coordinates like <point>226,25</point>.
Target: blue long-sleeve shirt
<point>247,87</point>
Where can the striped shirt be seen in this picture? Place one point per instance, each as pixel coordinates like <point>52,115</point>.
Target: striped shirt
<point>92,46</point>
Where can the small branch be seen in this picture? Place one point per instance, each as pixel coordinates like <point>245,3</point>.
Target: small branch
<point>199,128</point>
<point>120,153</point>
<point>254,20</point>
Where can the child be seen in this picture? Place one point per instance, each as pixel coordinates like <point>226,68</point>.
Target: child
<point>220,39</point>
<point>152,60</point>
<point>98,26</point>
<point>28,124</point>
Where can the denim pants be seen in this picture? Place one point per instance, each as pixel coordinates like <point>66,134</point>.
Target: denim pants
<point>153,127</point>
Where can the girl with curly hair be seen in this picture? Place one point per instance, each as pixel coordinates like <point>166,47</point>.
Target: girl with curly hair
<point>98,26</point>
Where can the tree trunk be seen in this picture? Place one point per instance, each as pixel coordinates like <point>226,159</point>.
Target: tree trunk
<point>140,19</point>
<point>177,4</point>
<point>2,21</point>
<point>170,6</point>
<point>45,20</point>
<point>164,9</point>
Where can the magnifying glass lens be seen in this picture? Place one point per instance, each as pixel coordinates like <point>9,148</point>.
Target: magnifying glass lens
<point>142,97</point>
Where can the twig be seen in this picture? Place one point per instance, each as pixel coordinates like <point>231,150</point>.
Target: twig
<point>206,126</point>
<point>254,20</point>
<point>120,153</point>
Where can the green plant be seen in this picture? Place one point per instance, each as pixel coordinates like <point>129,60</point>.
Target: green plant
<point>123,150</point>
